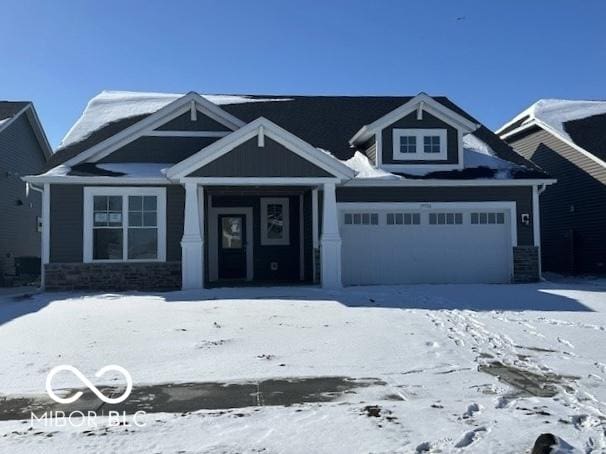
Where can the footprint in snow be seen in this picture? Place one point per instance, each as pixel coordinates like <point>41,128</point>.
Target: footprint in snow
<point>470,437</point>
<point>472,409</point>
<point>561,340</point>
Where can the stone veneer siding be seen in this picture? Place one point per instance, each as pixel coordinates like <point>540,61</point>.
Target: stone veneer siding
<point>526,264</point>
<point>113,276</point>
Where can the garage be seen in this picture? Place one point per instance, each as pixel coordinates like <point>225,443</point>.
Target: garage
<point>410,243</point>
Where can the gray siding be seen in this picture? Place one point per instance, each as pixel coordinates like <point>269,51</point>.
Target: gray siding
<point>428,122</point>
<point>159,149</point>
<point>250,160</point>
<point>184,123</point>
<point>519,194</point>
<point>66,226</point>
<point>573,214</point>
<point>371,152</point>
<point>20,154</point>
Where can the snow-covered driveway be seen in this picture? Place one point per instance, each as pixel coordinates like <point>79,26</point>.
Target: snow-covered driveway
<point>432,345</point>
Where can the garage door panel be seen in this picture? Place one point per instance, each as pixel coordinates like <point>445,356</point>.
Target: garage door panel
<point>424,253</point>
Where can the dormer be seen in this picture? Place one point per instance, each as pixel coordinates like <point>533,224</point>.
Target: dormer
<point>422,135</point>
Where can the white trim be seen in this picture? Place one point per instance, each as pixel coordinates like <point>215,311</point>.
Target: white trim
<point>376,182</point>
<point>557,134</point>
<point>163,133</point>
<point>261,137</point>
<point>158,118</point>
<point>536,222</point>
<point>45,243</point>
<point>47,150</point>
<point>285,203</point>
<point>259,181</point>
<point>38,179</point>
<point>213,245</point>
<point>270,129</point>
<point>315,240</point>
<point>424,206</point>
<point>301,240</point>
<point>87,240</point>
<point>430,105</point>
<point>379,149</point>
<point>420,154</point>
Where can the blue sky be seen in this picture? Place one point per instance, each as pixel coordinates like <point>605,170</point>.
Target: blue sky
<point>492,58</point>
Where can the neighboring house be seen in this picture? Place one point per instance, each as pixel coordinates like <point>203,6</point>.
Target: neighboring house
<point>160,191</point>
<point>24,150</point>
<point>568,140</point>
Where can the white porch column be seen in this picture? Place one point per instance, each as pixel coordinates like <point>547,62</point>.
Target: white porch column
<point>330,240</point>
<point>192,245</point>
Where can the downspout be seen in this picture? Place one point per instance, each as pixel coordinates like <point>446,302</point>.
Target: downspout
<point>43,248</point>
<point>536,208</point>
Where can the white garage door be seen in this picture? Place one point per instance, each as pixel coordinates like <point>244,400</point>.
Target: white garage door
<point>401,244</point>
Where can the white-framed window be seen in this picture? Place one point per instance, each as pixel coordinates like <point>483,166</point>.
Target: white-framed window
<point>124,224</point>
<point>420,144</point>
<point>361,218</point>
<point>488,218</point>
<point>445,218</point>
<point>275,221</point>
<point>403,218</point>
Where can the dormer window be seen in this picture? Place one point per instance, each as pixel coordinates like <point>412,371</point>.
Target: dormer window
<point>419,144</point>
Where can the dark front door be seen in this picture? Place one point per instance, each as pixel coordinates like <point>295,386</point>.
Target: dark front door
<point>232,246</point>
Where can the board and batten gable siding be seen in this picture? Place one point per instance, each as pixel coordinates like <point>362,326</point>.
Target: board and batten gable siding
<point>20,154</point>
<point>158,149</point>
<point>573,213</point>
<point>185,123</point>
<point>522,195</point>
<point>249,160</point>
<point>428,122</point>
<point>66,222</point>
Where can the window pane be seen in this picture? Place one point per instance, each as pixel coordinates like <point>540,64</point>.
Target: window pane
<point>149,218</point>
<point>432,218</point>
<point>149,203</point>
<point>115,203</point>
<point>399,218</point>
<point>107,244</point>
<point>142,244</point>
<point>275,222</point>
<point>365,219</point>
<point>416,218</point>
<point>100,203</point>
<point>357,218</point>
<point>348,219</point>
<point>135,203</point>
<point>374,219</point>
<point>482,218</point>
<point>500,218</point>
<point>458,218</point>
<point>390,218</point>
<point>474,218</point>
<point>135,219</point>
<point>231,232</point>
<point>100,218</point>
<point>115,219</point>
<point>441,218</point>
<point>408,144</point>
<point>492,218</point>
<point>450,218</point>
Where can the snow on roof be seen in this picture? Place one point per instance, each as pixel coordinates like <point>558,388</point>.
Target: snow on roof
<point>476,153</point>
<point>129,169</point>
<point>365,169</point>
<point>110,106</point>
<point>555,112</point>
<point>4,120</point>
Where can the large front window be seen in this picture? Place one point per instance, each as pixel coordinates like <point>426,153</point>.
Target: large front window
<point>124,224</point>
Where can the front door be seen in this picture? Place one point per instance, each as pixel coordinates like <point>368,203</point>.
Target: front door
<point>232,246</point>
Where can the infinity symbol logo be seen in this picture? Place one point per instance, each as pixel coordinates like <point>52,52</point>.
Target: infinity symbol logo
<point>68,400</point>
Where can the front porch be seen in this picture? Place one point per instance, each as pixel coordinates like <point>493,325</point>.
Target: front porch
<point>256,234</point>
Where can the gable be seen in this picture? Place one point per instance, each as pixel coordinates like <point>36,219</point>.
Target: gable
<point>201,122</point>
<point>250,160</point>
<point>428,121</point>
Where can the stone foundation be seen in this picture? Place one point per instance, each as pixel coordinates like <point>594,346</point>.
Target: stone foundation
<point>525,264</point>
<point>113,276</point>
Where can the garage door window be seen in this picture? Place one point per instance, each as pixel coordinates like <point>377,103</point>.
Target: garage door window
<point>445,218</point>
<point>403,218</point>
<point>361,218</point>
<point>488,218</point>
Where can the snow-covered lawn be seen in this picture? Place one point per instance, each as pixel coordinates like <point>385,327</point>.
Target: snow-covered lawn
<point>425,342</point>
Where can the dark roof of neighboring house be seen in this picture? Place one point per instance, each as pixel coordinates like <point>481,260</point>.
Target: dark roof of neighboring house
<point>327,122</point>
<point>9,109</point>
<point>589,133</point>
